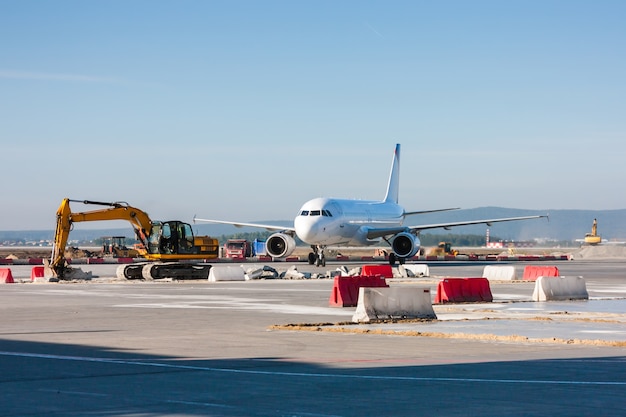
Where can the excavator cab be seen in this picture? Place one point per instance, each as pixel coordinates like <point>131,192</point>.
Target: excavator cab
<point>171,237</point>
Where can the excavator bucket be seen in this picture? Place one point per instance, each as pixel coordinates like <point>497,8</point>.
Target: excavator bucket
<point>68,274</point>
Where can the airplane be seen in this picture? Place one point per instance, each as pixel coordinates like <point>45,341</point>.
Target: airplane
<point>323,222</point>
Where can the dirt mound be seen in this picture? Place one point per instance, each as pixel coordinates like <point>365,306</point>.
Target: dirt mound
<point>600,252</point>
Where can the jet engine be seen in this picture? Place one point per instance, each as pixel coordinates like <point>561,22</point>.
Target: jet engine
<point>405,245</point>
<point>280,245</point>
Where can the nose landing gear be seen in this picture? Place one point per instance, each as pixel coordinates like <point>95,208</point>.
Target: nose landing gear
<point>317,256</point>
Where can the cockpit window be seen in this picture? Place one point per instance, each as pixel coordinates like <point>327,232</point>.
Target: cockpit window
<point>325,213</point>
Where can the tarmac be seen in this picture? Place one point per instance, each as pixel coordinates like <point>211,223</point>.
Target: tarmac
<point>274,347</point>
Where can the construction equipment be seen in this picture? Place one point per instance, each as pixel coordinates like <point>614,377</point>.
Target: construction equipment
<point>593,238</point>
<point>444,248</point>
<point>115,246</point>
<point>170,245</point>
<point>237,249</point>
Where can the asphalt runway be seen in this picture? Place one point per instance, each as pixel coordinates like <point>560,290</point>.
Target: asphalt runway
<point>194,348</point>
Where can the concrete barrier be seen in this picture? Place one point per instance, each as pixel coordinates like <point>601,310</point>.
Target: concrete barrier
<point>226,273</point>
<point>499,273</point>
<point>560,288</point>
<point>393,302</point>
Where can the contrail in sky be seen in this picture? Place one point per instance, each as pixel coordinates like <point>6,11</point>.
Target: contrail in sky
<point>373,30</point>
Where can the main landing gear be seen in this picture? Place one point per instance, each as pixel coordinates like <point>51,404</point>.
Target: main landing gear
<point>317,256</point>
<point>393,258</point>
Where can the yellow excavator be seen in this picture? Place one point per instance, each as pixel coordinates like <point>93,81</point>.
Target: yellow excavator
<point>170,245</point>
<point>593,238</point>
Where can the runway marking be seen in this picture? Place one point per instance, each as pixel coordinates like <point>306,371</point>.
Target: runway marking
<point>312,374</point>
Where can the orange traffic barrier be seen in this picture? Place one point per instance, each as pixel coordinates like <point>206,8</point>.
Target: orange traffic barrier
<point>463,290</point>
<point>532,272</point>
<point>36,272</point>
<point>380,270</point>
<point>345,292</point>
<point>6,276</point>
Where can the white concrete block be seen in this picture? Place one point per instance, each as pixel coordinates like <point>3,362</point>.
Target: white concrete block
<point>560,288</point>
<point>499,272</point>
<point>397,301</point>
<point>226,273</point>
<point>413,270</point>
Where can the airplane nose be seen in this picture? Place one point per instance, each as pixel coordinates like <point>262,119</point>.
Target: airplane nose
<point>307,230</point>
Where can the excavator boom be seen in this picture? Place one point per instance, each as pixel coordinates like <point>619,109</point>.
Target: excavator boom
<point>117,211</point>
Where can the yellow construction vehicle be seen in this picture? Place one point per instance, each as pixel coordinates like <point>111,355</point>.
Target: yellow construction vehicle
<point>170,244</point>
<point>115,246</point>
<point>444,248</point>
<point>593,238</point>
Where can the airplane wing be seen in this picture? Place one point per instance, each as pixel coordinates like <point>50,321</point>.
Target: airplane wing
<point>409,213</point>
<point>240,224</point>
<point>375,233</point>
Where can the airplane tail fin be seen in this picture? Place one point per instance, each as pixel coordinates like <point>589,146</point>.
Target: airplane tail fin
<point>394,178</point>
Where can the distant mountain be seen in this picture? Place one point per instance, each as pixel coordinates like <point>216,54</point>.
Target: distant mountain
<point>562,225</point>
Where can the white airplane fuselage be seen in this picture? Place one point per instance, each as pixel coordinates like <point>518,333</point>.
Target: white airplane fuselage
<point>330,221</point>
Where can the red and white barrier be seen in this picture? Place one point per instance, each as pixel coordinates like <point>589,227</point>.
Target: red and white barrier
<point>463,290</point>
<point>345,292</point>
<point>532,272</point>
<point>6,276</point>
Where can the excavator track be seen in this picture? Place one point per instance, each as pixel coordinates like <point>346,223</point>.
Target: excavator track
<point>160,270</point>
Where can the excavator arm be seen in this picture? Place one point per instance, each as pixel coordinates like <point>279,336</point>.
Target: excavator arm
<point>141,222</point>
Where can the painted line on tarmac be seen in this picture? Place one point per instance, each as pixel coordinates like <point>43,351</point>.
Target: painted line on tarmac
<point>310,375</point>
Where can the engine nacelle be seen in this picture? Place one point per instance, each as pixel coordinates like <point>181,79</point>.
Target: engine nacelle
<point>405,245</point>
<point>280,245</point>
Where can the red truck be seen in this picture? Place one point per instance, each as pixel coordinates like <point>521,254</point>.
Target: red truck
<point>237,249</point>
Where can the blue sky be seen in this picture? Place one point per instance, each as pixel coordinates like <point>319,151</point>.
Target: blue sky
<point>242,110</point>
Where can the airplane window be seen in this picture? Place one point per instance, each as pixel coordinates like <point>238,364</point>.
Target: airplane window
<point>326,213</point>
<point>304,213</point>
<point>315,212</point>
